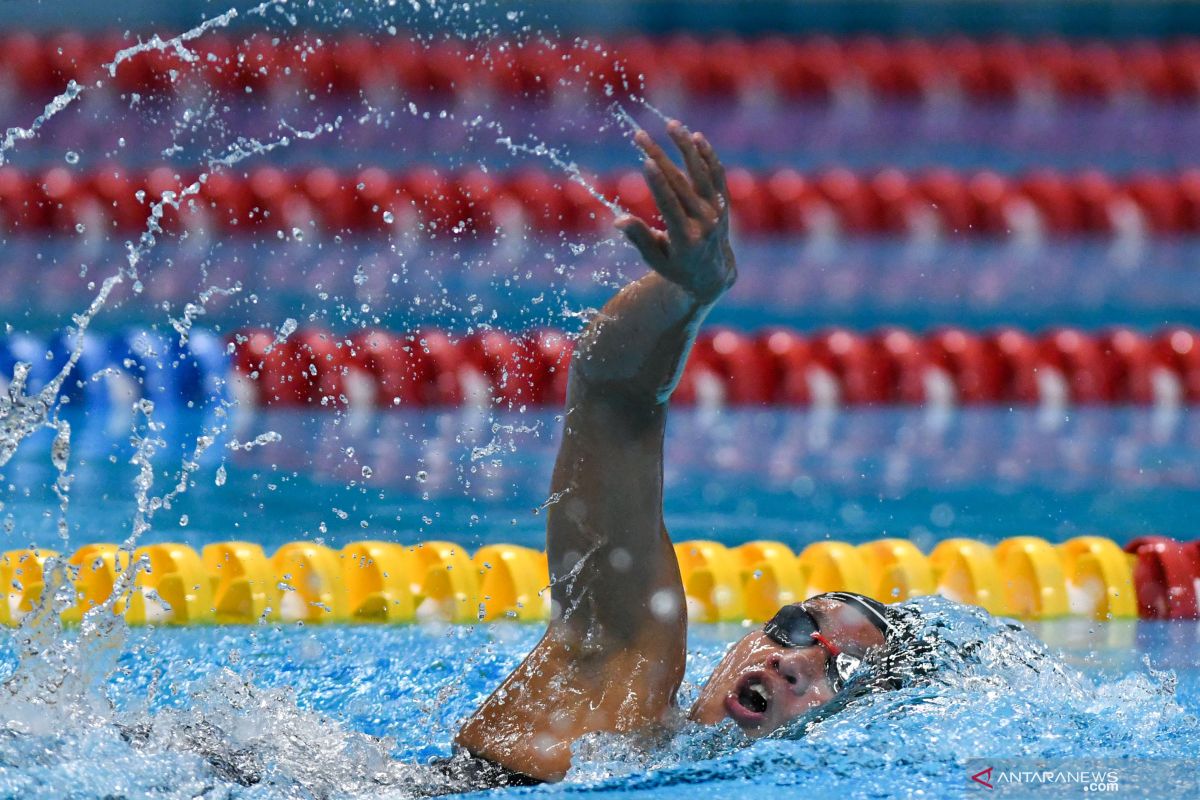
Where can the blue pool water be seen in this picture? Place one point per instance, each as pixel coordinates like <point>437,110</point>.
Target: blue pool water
<point>801,282</point>
<point>477,476</point>
<point>351,711</point>
<point>299,706</point>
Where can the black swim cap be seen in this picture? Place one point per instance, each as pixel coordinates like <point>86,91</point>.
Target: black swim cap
<point>900,659</point>
<point>878,614</point>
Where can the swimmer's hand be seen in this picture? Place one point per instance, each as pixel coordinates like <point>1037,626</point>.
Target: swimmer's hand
<point>694,251</point>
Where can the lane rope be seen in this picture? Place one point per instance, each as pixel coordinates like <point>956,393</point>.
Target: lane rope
<point>274,201</point>
<point>317,369</point>
<point>1151,577</point>
<point>816,68</point>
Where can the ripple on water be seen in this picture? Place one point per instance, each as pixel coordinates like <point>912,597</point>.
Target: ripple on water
<point>343,712</point>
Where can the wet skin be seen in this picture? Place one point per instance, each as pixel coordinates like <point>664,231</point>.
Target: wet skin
<point>762,685</point>
<point>614,653</point>
<point>615,649</point>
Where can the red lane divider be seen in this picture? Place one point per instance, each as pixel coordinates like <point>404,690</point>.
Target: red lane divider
<point>775,366</point>
<point>724,67</point>
<point>1166,576</point>
<point>373,201</point>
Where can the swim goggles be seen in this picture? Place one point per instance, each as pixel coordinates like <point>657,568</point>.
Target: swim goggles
<point>794,626</point>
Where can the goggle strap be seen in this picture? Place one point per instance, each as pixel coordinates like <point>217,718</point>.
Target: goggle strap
<point>834,650</point>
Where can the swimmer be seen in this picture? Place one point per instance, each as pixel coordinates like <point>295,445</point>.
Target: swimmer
<point>612,658</point>
<point>613,655</point>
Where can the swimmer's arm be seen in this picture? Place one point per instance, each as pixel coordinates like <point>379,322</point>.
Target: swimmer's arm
<point>635,348</point>
<point>613,655</point>
<point>613,568</point>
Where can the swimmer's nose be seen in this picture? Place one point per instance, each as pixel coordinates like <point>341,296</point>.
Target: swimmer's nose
<point>801,667</point>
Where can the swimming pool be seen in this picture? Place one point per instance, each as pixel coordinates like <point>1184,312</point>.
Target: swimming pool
<point>477,476</point>
<point>325,711</point>
<point>297,705</point>
<point>291,705</point>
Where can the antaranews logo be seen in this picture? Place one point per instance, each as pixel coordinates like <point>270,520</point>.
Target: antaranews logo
<point>1066,775</point>
<point>984,777</point>
<point>1082,777</point>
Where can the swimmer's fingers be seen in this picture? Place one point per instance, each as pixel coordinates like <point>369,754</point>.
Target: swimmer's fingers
<point>698,169</point>
<point>651,243</point>
<point>668,201</point>
<point>715,168</point>
<point>676,180</point>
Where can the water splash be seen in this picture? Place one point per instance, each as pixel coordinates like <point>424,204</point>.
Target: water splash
<point>21,415</point>
<point>192,311</point>
<point>572,170</point>
<point>65,674</point>
<point>997,692</point>
<point>269,437</point>
<point>74,90</point>
<point>214,734</point>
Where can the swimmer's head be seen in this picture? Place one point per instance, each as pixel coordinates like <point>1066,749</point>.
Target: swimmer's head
<point>797,663</point>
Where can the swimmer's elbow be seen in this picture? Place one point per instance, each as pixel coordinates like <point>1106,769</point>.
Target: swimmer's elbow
<point>615,386</point>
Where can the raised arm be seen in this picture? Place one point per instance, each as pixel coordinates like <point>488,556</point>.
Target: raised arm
<point>613,655</point>
<point>613,569</point>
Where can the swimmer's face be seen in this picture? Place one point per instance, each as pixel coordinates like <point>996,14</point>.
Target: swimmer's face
<point>761,685</point>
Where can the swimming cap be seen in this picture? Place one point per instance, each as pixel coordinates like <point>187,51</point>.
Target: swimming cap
<point>879,615</point>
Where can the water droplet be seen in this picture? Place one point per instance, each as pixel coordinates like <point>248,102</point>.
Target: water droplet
<point>72,157</point>
<point>422,476</point>
<point>388,217</point>
<point>367,472</point>
<point>79,227</point>
<point>60,451</point>
<point>220,479</point>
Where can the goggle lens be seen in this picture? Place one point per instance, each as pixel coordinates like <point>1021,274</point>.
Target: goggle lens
<point>793,626</point>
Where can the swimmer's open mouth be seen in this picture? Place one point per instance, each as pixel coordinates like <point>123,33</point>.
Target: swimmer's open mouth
<point>754,697</point>
<point>748,704</point>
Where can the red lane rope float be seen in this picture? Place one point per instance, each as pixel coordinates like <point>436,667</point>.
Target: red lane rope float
<point>1166,575</point>
<point>950,366</point>
<point>814,68</point>
<point>373,201</point>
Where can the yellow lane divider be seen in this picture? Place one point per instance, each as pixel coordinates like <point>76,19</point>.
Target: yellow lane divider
<point>966,571</point>
<point>376,581</point>
<point>712,581</point>
<point>770,576</point>
<point>21,574</point>
<point>310,582</point>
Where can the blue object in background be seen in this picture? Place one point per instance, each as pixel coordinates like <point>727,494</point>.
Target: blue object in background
<point>208,351</point>
<point>167,373</point>
<point>119,368</point>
